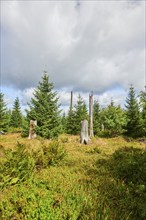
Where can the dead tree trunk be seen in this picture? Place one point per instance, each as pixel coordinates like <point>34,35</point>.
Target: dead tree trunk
<point>32,133</point>
<point>84,138</point>
<point>91,115</point>
<point>71,101</point>
<point>102,127</point>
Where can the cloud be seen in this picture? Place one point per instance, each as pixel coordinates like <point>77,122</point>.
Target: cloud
<point>84,45</point>
<point>26,95</point>
<point>104,99</point>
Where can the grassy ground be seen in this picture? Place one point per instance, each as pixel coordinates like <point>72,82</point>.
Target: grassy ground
<point>90,182</point>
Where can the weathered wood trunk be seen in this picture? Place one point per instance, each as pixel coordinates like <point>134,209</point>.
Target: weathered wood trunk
<point>32,133</point>
<point>102,127</point>
<point>91,115</point>
<point>71,101</point>
<point>84,138</point>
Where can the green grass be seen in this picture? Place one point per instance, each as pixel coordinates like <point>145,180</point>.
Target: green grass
<point>47,180</point>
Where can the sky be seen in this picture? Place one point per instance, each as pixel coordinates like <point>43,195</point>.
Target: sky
<point>85,46</point>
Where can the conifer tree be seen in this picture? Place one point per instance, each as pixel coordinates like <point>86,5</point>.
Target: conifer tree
<point>63,122</point>
<point>4,114</point>
<point>133,114</point>
<point>25,126</point>
<point>114,119</point>
<point>96,118</point>
<point>16,116</point>
<point>80,114</point>
<point>143,111</point>
<point>70,122</point>
<point>44,108</point>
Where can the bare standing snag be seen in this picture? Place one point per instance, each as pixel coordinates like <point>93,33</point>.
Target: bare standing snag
<point>32,133</point>
<point>84,137</point>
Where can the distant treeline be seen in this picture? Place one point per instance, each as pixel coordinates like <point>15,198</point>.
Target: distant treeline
<point>43,107</point>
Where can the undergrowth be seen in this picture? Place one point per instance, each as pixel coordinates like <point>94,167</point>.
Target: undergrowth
<point>59,180</point>
<point>124,186</point>
<point>17,166</point>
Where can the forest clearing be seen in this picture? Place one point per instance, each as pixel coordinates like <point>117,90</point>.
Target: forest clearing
<point>63,179</point>
<point>47,174</point>
<point>73,110</point>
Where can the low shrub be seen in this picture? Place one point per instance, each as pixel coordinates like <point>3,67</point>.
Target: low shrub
<point>49,155</point>
<point>40,201</point>
<point>64,139</point>
<point>15,130</point>
<point>129,165</point>
<point>16,166</point>
<point>94,150</point>
<point>124,186</point>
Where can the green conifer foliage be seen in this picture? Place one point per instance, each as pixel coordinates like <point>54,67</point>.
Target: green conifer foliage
<point>134,125</point>
<point>25,127</point>
<point>70,122</point>
<point>96,118</point>
<point>63,122</point>
<point>114,119</point>
<point>80,114</point>
<point>16,116</point>
<point>143,111</point>
<point>75,116</point>
<point>44,108</point>
<point>4,116</point>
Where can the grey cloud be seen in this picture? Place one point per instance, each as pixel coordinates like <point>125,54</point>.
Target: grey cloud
<point>94,46</point>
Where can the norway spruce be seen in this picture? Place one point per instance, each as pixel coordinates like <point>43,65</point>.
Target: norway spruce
<point>96,118</point>
<point>133,114</point>
<point>44,108</point>
<point>80,113</point>
<point>114,119</point>
<point>16,116</point>
<point>75,116</point>
<point>63,122</point>
<point>4,115</point>
<point>70,122</point>
<point>143,112</point>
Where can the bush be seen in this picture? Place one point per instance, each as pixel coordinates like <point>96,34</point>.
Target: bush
<point>124,186</point>
<point>130,165</point>
<point>94,150</point>
<point>42,200</point>
<point>64,139</point>
<point>24,197</point>
<point>15,130</point>
<point>49,155</point>
<point>17,166</point>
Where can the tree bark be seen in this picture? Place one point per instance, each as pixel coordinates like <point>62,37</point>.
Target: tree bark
<point>84,138</point>
<point>71,101</point>
<point>32,133</point>
<point>91,115</point>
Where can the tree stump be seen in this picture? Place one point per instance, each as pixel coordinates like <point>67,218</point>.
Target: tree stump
<point>84,138</point>
<point>32,133</point>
